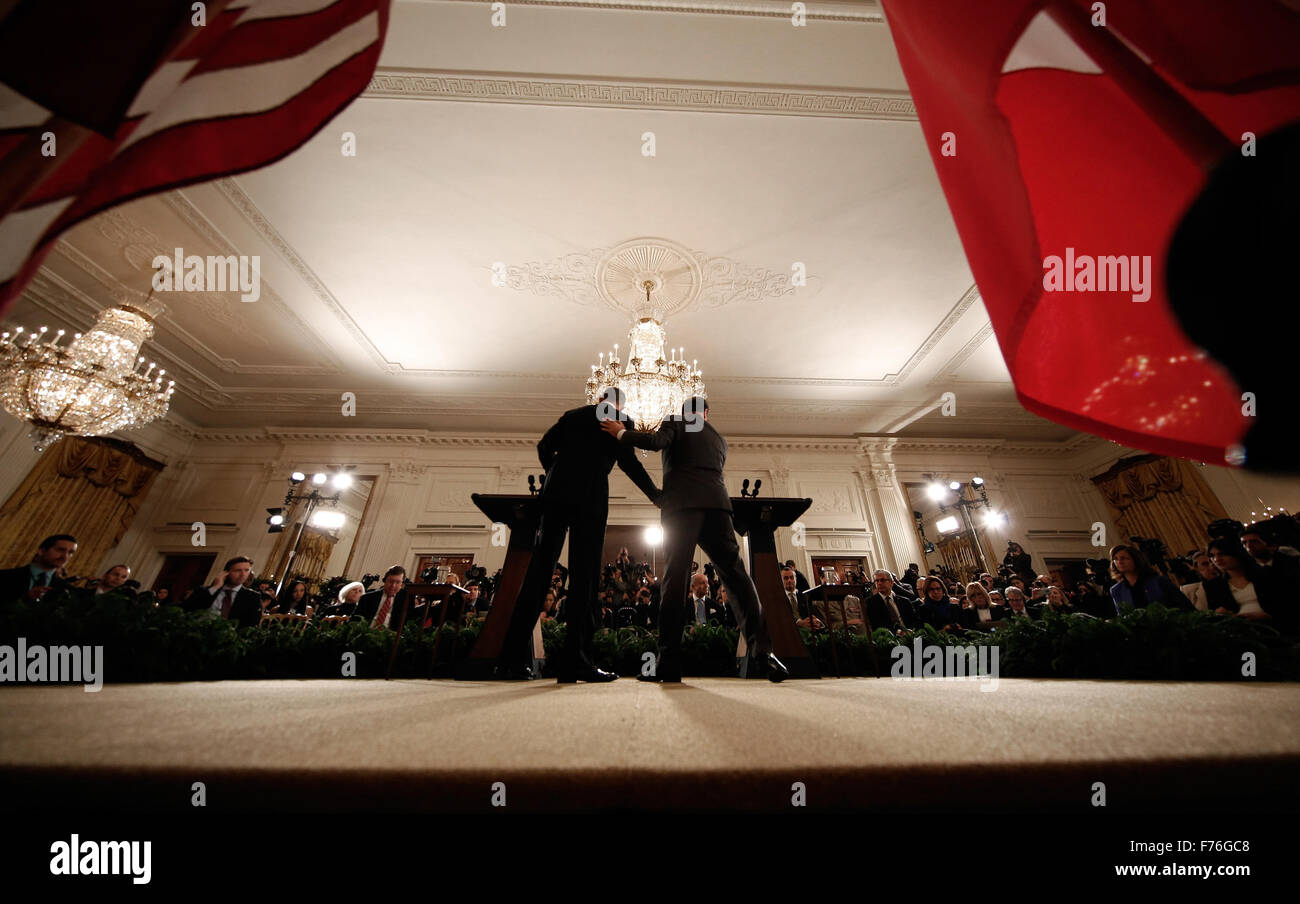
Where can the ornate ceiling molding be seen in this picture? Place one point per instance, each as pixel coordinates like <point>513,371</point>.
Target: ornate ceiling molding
<point>640,94</point>
<point>947,373</point>
<point>817,10</point>
<point>681,279</point>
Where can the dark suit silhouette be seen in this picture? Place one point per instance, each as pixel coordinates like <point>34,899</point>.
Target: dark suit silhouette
<point>696,509</point>
<point>880,617</point>
<point>246,607</point>
<point>15,583</point>
<point>578,457</point>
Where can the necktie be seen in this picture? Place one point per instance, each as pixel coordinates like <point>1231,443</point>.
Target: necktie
<point>43,579</point>
<point>893,610</point>
<point>699,611</point>
<point>381,618</point>
<point>228,602</point>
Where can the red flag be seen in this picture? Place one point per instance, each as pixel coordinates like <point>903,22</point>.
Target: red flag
<point>1070,137</point>
<point>242,90</point>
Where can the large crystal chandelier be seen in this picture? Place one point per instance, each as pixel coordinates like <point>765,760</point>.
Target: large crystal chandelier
<point>96,384</point>
<point>654,385</point>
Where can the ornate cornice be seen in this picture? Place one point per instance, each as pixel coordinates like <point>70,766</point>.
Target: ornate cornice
<point>947,373</point>
<point>639,94</point>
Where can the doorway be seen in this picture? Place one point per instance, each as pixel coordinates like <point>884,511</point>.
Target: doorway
<point>182,572</point>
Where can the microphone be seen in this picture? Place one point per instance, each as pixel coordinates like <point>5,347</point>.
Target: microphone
<point>532,484</point>
<point>744,487</point>
<point>757,483</point>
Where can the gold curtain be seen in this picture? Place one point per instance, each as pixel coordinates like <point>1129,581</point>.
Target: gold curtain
<point>313,556</point>
<point>1164,498</point>
<point>88,487</point>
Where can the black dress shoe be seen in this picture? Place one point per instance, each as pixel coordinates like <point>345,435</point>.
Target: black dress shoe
<point>516,672</point>
<point>776,670</point>
<point>589,674</point>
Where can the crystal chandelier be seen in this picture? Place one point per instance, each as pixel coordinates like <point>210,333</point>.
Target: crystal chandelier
<point>654,386</point>
<point>93,386</point>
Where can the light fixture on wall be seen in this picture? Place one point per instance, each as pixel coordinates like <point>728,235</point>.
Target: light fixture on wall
<point>94,385</point>
<point>654,386</point>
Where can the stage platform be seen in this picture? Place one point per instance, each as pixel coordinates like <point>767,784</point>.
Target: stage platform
<point>705,745</point>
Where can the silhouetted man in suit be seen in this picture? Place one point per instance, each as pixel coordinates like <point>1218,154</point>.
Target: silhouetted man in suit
<point>577,457</point>
<point>697,510</point>
<point>30,582</point>
<point>227,596</point>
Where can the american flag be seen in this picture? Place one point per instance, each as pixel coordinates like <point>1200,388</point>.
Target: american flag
<point>142,96</point>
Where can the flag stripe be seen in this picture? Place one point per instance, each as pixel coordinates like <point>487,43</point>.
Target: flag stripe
<point>251,89</point>
<point>279,39</point>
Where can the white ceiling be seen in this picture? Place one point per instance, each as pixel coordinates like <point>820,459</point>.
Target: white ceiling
<point>522,146</point>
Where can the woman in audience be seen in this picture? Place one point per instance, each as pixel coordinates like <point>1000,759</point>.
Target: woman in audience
<point>937,610</point>
<point>1138,585</point>
<point>1057,601</point>
<point>293,598</point>
<point>550,607</point>
<point>980,612</point>
<point>1245,588</point>
<point>1206,570</point>
<point>350,595</point>
<point>1090,600</point>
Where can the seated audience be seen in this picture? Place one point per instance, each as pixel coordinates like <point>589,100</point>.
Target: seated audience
<point>382,607</point>
<point>724,607</point>
<point>1057,601</point>
<point>798,602</point>
<point>1092,601</point>
<point>550,607</point>
<point>937,610</point>
<point>115,579</point>
<point>348,597</point>
<point>1247,589</point>
<point>1206,570</point>
<point>886,609</point>
<point>801,582</point>
<point>227,596</point>
<point>1138,585</point>
<point>981,612</point>
<point>44,573</point>
<point>1016,603</point>
<point>293,599</point>
<point>1260,542</point>
<point>162,596</point>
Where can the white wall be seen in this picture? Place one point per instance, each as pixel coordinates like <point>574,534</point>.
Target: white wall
<point>423,481</point>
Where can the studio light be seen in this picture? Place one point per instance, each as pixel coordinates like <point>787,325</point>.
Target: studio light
<point>947,525</point>
<point>319,479</point>
<point>275,521</point>
<point>328,520</point>
<point>297,477</point>
<point>992,519</point>
<point>954,486</point>
<point>654,535</point>
<point>977,481</point>
<point>342,480</point>
<point>936,491</point>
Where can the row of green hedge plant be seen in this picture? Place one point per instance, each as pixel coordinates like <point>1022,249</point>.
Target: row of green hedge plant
<point>143,643</point>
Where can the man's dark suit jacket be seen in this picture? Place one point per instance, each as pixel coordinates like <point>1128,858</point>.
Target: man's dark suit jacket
<point>368,607</point>
<point>246,609</point>
<point>578,457</point>
<point>692,460</point>
<point>879,616</point>
<point>16,582</point>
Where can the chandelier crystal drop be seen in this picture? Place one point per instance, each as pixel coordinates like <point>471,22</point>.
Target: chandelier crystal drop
<point>92,386</point>
<point>654,383</point>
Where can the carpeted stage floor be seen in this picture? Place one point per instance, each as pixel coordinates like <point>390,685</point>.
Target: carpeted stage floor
<point>708,744</point>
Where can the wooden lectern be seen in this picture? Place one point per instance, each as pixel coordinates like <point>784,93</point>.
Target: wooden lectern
<point>521,513</point>
<point>758,519</point>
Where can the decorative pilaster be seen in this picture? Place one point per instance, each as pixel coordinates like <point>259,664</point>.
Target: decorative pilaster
<point>887,501</point>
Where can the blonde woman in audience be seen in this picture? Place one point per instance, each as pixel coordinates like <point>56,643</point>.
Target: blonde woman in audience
<point>1057,600</point>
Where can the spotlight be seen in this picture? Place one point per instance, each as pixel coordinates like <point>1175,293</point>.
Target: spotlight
<point>992,519</point>
<point>978,481</point>
<point>342,480</point>
<point>936,491</point>
<point>276,520</point>
<point>947,525</point>
<point>954,486</point>
<point>328,520</point>
<point>319,479</point>
<point>297,477</point>
<point>654,535</point>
